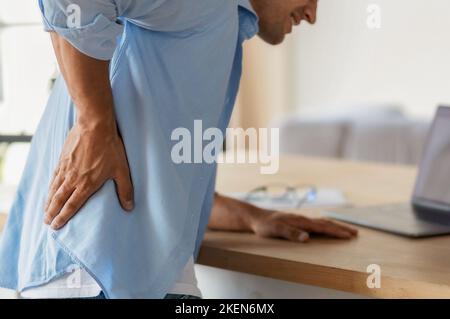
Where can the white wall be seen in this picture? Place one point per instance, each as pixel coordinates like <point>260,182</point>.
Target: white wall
<point>341,62</point>
<point>27,64</point>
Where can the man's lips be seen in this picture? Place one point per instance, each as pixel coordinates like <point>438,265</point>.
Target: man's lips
<point>296,18</point>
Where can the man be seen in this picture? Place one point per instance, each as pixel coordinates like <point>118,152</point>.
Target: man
<point>132,72</point>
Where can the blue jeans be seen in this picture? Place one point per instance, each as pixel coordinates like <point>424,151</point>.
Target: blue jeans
<point>168,296</point>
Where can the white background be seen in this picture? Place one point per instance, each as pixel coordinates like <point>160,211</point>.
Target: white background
<point>341,62</point>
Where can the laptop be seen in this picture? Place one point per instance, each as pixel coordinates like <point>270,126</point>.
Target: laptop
<point>428,213</point>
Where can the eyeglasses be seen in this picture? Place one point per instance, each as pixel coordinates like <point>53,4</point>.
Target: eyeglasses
<point>294,196</point>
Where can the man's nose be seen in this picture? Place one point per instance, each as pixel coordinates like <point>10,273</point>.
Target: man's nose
<point>310,13</point>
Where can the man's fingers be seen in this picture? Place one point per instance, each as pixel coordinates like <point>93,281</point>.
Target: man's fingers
<point>352,230</point>
<point>57,202</point>
<point>330,229</point>
<point>341,227</point>
<point>56,182</point>
<point>124,188</point>
<point>55,173</point>
<point>290,233</point>
<point>71,207</point>
<point>299,221</point>
<point>323,226</point>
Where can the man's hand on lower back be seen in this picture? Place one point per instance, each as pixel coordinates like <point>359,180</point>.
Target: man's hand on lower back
<point>93,152</point>
<point>90,157</point>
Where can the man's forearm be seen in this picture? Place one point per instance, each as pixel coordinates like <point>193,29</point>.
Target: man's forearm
<point>88,83</point>
<point>229,214</point>
<point>232,215</point>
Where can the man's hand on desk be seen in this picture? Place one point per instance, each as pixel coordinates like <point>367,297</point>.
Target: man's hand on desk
<point>232,215</point>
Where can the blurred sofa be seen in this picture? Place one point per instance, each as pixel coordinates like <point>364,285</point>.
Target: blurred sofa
<point>375,134</point>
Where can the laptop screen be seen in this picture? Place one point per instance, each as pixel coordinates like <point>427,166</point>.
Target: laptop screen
<point>433,182</point>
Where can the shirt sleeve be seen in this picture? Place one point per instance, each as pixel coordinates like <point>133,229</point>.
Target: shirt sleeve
<point>91,26</point>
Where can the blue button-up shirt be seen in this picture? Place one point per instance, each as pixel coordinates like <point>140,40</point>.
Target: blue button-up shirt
<point>172,62</point>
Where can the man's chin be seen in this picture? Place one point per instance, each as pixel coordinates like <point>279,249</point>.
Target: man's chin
<point>272,39</point>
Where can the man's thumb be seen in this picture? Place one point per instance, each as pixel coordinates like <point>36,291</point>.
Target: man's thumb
<point>293,234</point>
<point>125,189</point>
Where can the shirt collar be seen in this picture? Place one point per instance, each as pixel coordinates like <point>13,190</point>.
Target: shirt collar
<point>249,26</point>
<point>247,5</point>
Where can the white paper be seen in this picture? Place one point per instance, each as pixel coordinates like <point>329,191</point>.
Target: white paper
<point>325,197</point>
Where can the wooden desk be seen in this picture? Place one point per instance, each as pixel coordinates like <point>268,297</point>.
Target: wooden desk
<point>409,268</point>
